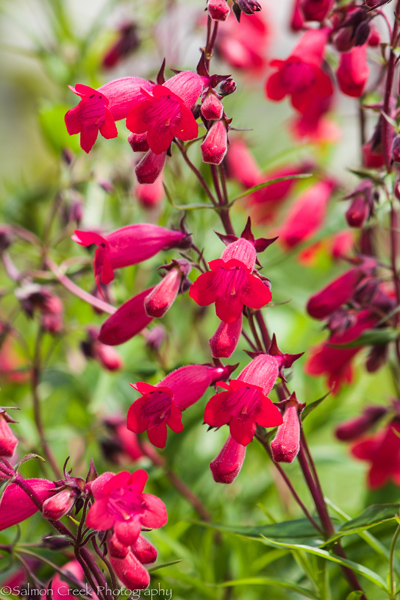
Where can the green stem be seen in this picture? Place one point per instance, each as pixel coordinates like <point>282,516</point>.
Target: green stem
<point>392,579</point>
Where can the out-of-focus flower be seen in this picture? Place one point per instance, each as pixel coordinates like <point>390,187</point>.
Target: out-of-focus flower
<point>382,451</point>
<point>105,355</point>
<point>315,10</point>
<point>306,214</point>
<point>127,246</point>
<point>300,76</point>
<point>150,194</point>
<point>34,297</point>
<point>127,42</point>
<point>226,466</point>
<point>162,404</point>
<point>354,428</point>
<point>353,71</point>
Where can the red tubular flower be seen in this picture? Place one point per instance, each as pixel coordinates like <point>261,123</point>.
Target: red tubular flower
<point>358,212</point>
<point>138,142</point>
<point>354,428</point>
<point>99,109</point>
<point>211,107</point>
<point>227,465</point>
<point>164,112</point>
<point>300,76</point>
<point>243,406</point>
<point>150,195</point>
<point>353,71</point>
<point>382,451</point>
<point>8,441</point>
<point>218,9</point>
<point>315,10</point>
<point>286,443</point>
<point>162,404</point>
<point>224,341</point>
<point>127,567</point>
<point>16,505</point>
<point>162,297</point>
<point>121,505</point>
<point>215,144</point>
<point>342,244</point>
<point>244,45</point>
<point>126,43</point>
<point>336,362</point>
<point>306,215</point>
<point>150,167</point>
<point>313,125</point>
<point>230,283</point>
<point>127,246</point>
<point>338,292</point>
<point>105,355</point>
<point>126,322</point>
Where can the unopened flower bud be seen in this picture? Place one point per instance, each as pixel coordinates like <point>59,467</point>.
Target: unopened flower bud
<point>138,142</point>
<point>249,7</point>
<point>227,87</point>
<point>286,444</point>
<point>8,441</point>
<point>57,506</point>
<point>354,428</point>
<point>224,341</point>
<point>226,466</point>
<point>377,357</point>
<point>215,145</point>
<point>218,9</point>
<point>211,107</point>
<point>358,212</point>
<point>55,542</point>
<point>161,298</point>
<point>126,566</point>
<point>150,167</point>
<point>144,551</point>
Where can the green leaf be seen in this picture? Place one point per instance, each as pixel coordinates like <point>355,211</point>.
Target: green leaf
<point>371,337</point>
<point>51,119</point>
<point>354,595</point>
<point>371,516</point>
<point>310,407</point>
<point>164,565</point>
<point>357,568</point>
<point>298,529</point>
<point>367,174</point>
<point>267,581</point>
<point>260,186</point>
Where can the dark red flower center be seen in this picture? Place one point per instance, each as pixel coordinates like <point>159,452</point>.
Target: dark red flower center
<point>124,504</point>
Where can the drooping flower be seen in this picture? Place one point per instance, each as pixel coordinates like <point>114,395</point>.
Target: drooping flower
<point>162,297</point>
<point>127,321</point>
<point>306,214</point>
<point>382,451</point>
<point>224,341</point>
<point>150,167</point>
<point>8,441</point>
<point>127,246</point>
<point>353,71</point>
<point>355,428</point>
<point>164,112</point>
<point>227,464</point>
<point>335,362</point>
<point>162,404</point>
<point>286,444</point>
<point>128,561</point>
<point>230,284</point>
<point>121,505</point>
<point>215,144</point>
<point>300,76</point>
<point>243,406</point>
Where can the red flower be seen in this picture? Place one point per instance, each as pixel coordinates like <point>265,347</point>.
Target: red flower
<point>243,406</point>
<point>162,404</point>
<point>230,283</point>
<point>106,355</point>
<point>226,466</point>
<point>353,71</point>
<point>164,112</point>
<point>306,215</point>
<point>16,505</point>
<point>121,505</point>
<point>150,167</point>
<point>127,246</point>
<point>224,341</point>
<point>382,451</point>
<point>127,562</point>
<point>336,362</point>
<point>126,322</point>
<point>315,10</point>
<point>8,441</point>
<point>354,428</point>
<point>300,76</point>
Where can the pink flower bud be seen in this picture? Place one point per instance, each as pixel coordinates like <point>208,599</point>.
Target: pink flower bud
<point>138,142</point>
<point>227,87</point>
<point>58,505</point>
<point>163,295</point>
<point>224,341</point>
<point>218,9</point>
<point>226,466</point>
<point>215,145</point>
<point>150,167</point>
<point>354,428</point>
<point>315,10</point>
<point>286,444</point>
<point>8,441</point>
<point>211,107</point>
<point>353,72</point>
